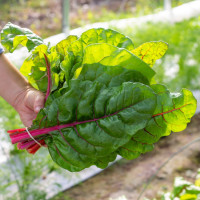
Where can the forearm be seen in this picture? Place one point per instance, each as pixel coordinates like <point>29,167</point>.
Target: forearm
<point>12,83</point>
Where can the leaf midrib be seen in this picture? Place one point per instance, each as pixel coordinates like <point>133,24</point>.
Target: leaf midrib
<point>169,111</point>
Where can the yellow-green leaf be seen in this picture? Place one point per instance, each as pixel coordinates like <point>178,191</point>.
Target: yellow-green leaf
<point>151,51</point>
<point>63,45</point>
<point>188,197</point>
<point>13,35</point>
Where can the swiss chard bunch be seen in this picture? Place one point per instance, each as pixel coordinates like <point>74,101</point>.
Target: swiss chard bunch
<point>101,98</point>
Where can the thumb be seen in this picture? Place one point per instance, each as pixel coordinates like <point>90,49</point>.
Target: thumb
<point>39,102</point>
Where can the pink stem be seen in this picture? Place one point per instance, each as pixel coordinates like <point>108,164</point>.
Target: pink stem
<point>25,145</point>
<point>15,138</point>
<point>49,77</point>
<point>23,135</point>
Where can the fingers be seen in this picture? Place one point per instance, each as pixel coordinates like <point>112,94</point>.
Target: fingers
<point>39,101</point>
<point>27,123</point>
<point>30,105</point>
<point>35,100</point>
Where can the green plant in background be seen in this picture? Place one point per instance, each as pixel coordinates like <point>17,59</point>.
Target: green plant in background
<point>24,11</point>
<point>21,176</point>
<point>183,190</point>
<point>9,118</point>
<point>125,10</point>
<point>181,66</point>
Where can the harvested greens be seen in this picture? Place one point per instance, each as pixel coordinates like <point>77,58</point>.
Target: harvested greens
<point>101,97</point>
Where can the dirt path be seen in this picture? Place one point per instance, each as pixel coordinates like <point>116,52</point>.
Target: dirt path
<point>128,177</point>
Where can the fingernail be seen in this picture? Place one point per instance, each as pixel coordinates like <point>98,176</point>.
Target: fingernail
<point>37,109</point>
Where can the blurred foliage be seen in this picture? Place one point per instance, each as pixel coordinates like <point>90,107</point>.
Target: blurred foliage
<point>25,173</point>
<point>60,196</point>
<point>44,16</point>
<point>22,173</point>
<point>180,67</point>
<point>112,10</point>
<point>183,190</point>
<point>9,118</point>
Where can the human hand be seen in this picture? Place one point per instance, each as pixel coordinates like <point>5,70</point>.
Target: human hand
<point>28,103</point>
<point>16,90</point>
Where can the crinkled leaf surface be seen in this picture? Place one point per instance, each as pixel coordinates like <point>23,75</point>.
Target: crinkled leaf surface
<point>112,56</point>
<point>88,107</point>
<point>142,140</point>
<point>62,46</point>
<point>75,52</point>
<point>151,51</point>
<point>109,36</point>
<point>172,113</point>
<point>134,149</point>
<point>108,75</point>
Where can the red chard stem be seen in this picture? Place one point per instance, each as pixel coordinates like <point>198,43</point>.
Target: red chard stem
<point>49,77</point>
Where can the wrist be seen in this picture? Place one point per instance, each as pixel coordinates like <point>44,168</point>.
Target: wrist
<point>1,49</point>
<point>13,85</point>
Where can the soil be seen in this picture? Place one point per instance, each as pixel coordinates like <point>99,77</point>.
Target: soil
<point>129,177</point>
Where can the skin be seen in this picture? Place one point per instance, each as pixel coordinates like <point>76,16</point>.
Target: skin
<point>16,90</point>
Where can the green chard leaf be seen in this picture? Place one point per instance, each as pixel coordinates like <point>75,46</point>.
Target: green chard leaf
<point>13,35</point>
<point>108,75</point>
<point>100,101</point>
<point>172,113</point>
<point>103,112</point>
